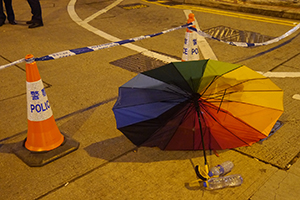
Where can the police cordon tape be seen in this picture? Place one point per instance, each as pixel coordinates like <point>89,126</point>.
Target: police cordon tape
<point>78,51</point>
<point>245,44</point>
<point>13,63</point>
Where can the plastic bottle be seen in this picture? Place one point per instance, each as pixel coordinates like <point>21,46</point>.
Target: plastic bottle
<point>222,169</point>
<point>223,181</point>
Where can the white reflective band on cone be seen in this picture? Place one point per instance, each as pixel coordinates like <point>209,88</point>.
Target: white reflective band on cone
<point>38,107</point>
<point>190,47</point>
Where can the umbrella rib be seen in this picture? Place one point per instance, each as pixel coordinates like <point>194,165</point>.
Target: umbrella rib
<point>243,103</point>
<point>221,101</point>
<point>187,94</point>
<point>228,93</point>
<point>225,127</point>
<point>180,95</point>
<point>210,135</point>
<point>180,74</point>
<point>186,111</point>
<point>209,85</point>
<point>193,87</point>
<point>217,76</point>
<point>219,95</point>
<point>226,100</point>
<point>239,84</point>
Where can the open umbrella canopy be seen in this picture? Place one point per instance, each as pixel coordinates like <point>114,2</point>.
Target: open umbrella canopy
<point>203,104</point>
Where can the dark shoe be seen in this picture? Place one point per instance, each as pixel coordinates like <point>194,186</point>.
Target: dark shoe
<point>13,22</point>
<point>29,22</point>
<point>35,25</point>
<point>1,23</point>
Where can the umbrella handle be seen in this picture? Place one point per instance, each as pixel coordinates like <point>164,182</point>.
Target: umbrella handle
<point>202,177</point>
<point>206,169</point>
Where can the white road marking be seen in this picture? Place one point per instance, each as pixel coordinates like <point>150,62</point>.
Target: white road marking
<point>204,46</point>
<point>84,24</point>
<point>296,96</point>
<point>100,12</point>
<point>281,74</point>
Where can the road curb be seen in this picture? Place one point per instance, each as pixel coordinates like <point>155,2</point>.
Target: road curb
<point>265,8</point>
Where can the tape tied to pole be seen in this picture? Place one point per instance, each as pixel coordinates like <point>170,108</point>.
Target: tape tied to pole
<point>245,44</point>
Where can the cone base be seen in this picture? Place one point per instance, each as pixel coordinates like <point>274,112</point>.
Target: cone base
<point>43,135</point>
<point>38,159</point>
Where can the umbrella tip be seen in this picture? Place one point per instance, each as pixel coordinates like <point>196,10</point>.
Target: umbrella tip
<point>196,96</point>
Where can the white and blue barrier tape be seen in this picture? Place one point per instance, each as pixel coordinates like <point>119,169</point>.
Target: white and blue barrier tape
<point>245,44</point>
<point>73,52</point>
<point>13,63</point>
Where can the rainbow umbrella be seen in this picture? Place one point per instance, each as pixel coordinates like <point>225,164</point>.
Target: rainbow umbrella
<point>193,105</point>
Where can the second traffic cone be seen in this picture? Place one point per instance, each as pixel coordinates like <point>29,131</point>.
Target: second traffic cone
<point>190,47</point>
<point>43,133</point>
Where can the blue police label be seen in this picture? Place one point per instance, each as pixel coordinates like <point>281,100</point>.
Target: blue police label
<point>190,47</point>
<point>38,107</point>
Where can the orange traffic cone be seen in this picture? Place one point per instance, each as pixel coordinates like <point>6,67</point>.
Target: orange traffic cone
<point>43,133</point>
<point>44,142</point>
<point>190,47</point>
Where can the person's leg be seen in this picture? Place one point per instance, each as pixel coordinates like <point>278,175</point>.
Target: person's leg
<point>9,11</point>
<point>2,15</point>
<point>36,11</point>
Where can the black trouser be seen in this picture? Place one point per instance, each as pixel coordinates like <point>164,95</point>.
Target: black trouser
<point>36,11</point>
<point>9,11</point>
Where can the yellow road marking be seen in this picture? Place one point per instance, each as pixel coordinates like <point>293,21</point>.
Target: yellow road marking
<point>227,13</point>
